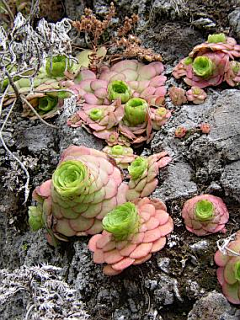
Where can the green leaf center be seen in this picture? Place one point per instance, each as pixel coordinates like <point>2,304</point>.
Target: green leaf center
<point>122,221</point>
<point>117,150</point>
<point>215,38</point>
<point>204,210</point>
<point>96,114</point>
<point>137,168</point>
<point>47,103</point>
<point>237,270</point>
<point>119,89</point>
<point>135,111</point>
<point>203,67</point>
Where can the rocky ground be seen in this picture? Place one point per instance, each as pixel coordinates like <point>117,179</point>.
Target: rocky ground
<point>39,282</point>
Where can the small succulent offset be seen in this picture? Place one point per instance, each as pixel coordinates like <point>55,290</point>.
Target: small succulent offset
<point>196,95</point>
<point>211,63</point>
<point>228,273</point>
<point>205,214</point>
<point>83,189</point>
<point>143,175</point>
<point>117,102</point>
<point>177,95</point>
<point>121,154</point>
<point>132,232</point>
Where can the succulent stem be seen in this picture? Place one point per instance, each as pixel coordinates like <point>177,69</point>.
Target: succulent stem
<point>204,210</point>
<point>122,221</point>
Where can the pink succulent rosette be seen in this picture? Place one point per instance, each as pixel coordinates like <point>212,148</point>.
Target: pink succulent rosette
<point>143,175</point>
<point>132,233</point>
<point>209,63</point>
<point>177,95</point>
<point>205,214</point>
<point>196,95</point>
<point>228,273</point>
<point>83,189</point>
<point>144,81</point>
<point>159,116</point>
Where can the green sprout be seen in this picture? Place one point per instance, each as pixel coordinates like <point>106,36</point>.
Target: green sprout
<point>204,210</point>
<point>135,111</point>
<point>203,67</point>
<point>119,89</point>
<point>137,168</point>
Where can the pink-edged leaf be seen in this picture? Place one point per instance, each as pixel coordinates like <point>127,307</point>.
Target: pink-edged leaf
<point>138,238</point>
<point>109,246</point>
<point>152,223</point>
<point>158,244</point>
<point>142,260</point>
<point>112,256</point>
<point>231,292</point>
<point>92,244</point>
<point>126,251</point>
<point>221,259</point>
<point>141,250</point>
<point>98,256</point>
<point>220,275</point>
<point>152,235</point>
<point>109,271</point>
<point>95,228</point>
<point>123,264</point>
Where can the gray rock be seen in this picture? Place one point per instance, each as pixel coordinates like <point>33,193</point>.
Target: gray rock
<point>230,180</point>
<point>234,21</point>
<point>214,306</point>
<point>165,8</point>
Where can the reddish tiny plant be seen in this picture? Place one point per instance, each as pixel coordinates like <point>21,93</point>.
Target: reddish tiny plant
<point>180,132</point>
<point>205,128</point>
<point>177,95</point>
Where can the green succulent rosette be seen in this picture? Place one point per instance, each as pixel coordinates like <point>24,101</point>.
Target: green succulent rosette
<point>57,65</point>
<point>135,111</point>
<point>137,168</point>
<point>96,114</point>
<point>216,38</point>
<point>71,178</point>
<point>122,221</point>
<point>204,210</point>
<point>203,67</point>
<point>119,90</point>
<point>35,217</point>
<point>46,104</point>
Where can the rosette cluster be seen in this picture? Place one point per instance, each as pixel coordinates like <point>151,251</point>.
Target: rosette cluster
<point>132,233</point>
<point>205,214</point>
<point>117,101</point>
<point>211,63</point>
<point>83,189</point>
<point>143,175</point>
<point>228,273</point>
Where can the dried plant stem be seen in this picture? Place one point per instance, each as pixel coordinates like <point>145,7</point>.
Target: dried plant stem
<point>35,112</point>
<point>26,186</point>
<point>2,99</point>
<point>8,10</point>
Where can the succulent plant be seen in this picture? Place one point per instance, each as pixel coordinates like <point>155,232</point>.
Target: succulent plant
<point>83,189</point>
<point>129,86</point>
<point>121,154</point>
<point>228,273</point>
<point>45,102</point>
<point>159,116</point>
<point>180,132</point>
<point>210,63</point>
<point>132,232</point>
<point>143,175</point>
<point>177,95</point>
<point>205,214</point>
<point>57,65</point>
<point>196,95</point>
<point>205,128</point>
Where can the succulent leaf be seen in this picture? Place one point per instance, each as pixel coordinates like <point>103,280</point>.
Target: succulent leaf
<point>55,66</point>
